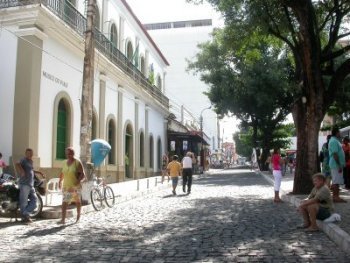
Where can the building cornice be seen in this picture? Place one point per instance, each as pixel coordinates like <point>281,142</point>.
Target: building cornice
<point>145,32</point>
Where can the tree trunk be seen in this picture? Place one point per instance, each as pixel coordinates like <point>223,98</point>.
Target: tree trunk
<point>264,155</point>
<point>309,110</point>
<point>308,122</point>
<point>88,88</point>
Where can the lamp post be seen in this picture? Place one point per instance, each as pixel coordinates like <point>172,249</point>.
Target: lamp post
<point>202,148</point>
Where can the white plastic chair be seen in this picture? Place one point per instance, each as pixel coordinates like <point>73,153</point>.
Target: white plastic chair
<point>52,189</point>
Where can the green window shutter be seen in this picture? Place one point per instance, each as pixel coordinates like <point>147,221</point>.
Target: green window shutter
<point>110,141</point>
<point>61,131</point>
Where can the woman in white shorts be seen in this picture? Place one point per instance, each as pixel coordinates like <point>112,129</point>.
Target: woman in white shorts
<point>277,164</point>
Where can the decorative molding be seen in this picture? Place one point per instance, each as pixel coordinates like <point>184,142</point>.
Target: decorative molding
<point>33,31</point>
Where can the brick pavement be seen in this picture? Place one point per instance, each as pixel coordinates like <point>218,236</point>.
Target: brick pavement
<point>338,231</point>
<point>228,217</point>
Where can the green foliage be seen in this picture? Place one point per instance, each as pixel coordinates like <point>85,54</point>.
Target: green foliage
<point>309,31</point>
<point>151,77</point>
<point>253,83</point>
<point>281,135</point>
<point>243,141</point>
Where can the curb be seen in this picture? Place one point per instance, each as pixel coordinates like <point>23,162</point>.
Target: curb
<point>55,212</point>
<point>333,231</point>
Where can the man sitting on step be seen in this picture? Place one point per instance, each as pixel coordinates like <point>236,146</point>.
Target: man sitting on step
<point>318,204</point>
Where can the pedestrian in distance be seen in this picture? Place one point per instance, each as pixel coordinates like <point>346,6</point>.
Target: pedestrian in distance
<point>336,164</point>
<point>27,195</point>
<point>324,159</point>
<point>346,171</point>
<point>2,165</point>
<point>268,166</point>
<point>71,177</point>
<point>277,165</point>
<point>318,204</point>
<point>174,170</point>
<point>165,161</point>
<point>187,172</point>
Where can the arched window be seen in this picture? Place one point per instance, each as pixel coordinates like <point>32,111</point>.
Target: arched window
<point>159,153</point>
<point>159,82</point>
<point>143,66</point>
<point>129,51</point>
<point>142,149</point>
<point>62,130</point>
<point>151,152</point>
<point>114,35</point>
<point>111,141</point>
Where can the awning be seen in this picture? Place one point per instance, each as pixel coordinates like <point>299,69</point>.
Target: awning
<point>192,135</point>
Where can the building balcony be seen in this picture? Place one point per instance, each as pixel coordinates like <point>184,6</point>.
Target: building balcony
<point>76,21</point>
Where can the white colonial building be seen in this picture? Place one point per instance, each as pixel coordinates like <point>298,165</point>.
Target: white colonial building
<point>41,73</point>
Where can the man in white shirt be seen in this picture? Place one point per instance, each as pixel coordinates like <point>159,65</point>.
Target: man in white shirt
<point>187,172</point>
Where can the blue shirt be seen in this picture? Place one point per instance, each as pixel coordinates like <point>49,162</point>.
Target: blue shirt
<point>28,178</point>
<point>334,146</point>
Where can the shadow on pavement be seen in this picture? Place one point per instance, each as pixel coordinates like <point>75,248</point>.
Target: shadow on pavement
<point>218,229</point>
<point>241,179</point>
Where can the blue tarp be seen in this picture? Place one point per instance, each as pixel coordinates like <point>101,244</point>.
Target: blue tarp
<point>99,150</point>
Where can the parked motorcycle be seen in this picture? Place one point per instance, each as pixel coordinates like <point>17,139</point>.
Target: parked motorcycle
<point>9,196</point>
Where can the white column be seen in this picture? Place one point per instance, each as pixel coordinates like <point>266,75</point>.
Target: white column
<point>121,35</point>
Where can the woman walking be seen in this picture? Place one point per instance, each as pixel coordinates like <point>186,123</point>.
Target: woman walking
<point>72,175</point>
<point>277,164</point>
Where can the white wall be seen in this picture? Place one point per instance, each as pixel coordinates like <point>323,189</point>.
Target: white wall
<point>8,55</point>
<point>67,68</point>
<point>111,102</point>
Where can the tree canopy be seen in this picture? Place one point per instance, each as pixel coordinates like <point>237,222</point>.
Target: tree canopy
<point>314,33</point>
<point>253,84</point>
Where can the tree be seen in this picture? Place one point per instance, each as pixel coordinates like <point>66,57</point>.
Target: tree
<point>251,83</point>
<point>312,31</point>
<point>88,87</point>
<point>280,135</point>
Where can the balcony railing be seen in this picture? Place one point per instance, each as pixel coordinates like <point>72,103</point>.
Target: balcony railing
<point>75,20</point>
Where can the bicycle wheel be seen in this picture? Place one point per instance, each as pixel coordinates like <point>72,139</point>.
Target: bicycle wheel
<point>96,199</point>
<point>109,196</point>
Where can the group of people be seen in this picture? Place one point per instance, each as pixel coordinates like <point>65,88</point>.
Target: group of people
<point>335,158</point>
<point>71,177</point>
<point>175,169</point>
<point>318,205</point>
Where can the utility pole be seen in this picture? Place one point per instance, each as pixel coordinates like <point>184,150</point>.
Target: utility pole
<point>202,155</point>
<point>88,86</point>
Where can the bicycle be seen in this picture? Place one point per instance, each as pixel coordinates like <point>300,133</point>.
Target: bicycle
<point>101,192</point>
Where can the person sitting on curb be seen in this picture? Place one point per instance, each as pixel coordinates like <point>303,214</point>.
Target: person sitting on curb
<point>318,204</point>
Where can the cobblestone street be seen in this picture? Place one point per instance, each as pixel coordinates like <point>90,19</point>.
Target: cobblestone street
<point>228,217</point>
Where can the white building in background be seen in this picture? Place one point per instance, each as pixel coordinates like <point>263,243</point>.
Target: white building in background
<point>41,72</point>
<point>179,40</point>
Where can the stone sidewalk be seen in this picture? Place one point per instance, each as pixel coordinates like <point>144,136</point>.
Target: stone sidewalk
<point>123,192</point>
<point>338,232</point>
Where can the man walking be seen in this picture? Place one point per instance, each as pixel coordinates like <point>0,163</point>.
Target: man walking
<point>336,164</point>
<point>187,173</point>
<point>26,185</point>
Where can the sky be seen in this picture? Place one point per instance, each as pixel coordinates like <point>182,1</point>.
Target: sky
<point>154,11</point>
